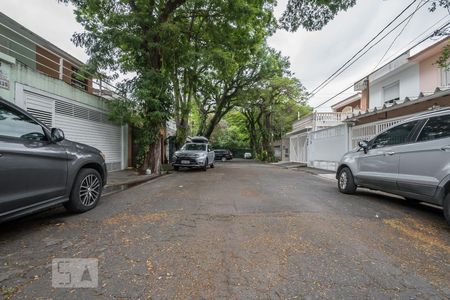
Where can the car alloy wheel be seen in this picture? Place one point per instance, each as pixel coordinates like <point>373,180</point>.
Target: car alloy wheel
<point>343,180</point>
<point>89,190</point>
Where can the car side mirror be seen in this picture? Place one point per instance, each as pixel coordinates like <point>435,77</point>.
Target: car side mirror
<point>57,135</point>
<point>364,145</point>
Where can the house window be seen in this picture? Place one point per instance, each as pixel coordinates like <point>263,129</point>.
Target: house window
<point>391,92</point>
<point>77,79</point>
<point>445,76</point>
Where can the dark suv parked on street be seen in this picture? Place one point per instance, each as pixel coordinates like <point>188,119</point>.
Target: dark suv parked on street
<point>223,155</point>
<point>410,159</point>
<point>39,168</point>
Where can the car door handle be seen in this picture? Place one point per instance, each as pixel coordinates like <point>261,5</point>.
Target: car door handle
<point>389,153</point>
<point>445,148</point>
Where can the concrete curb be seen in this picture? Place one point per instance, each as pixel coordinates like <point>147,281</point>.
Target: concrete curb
<point>120,187</point>
<point>331,177</point>
<point>139,179</point>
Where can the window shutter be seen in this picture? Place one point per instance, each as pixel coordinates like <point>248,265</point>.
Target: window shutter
<point>391,92</point>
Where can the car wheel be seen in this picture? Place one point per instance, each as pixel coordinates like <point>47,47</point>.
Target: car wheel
<point>211,166</point>
<point>205,167</point>
<point>447,208</point>
<point>86,191</point>
<point>224,158</point>
<point>346,183</point>
<point>176,168</point>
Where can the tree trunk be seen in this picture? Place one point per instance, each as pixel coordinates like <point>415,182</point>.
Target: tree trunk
<point>212,124</point>
<point>267,138</point>
<point>154,156</point>
<point>182,132</point>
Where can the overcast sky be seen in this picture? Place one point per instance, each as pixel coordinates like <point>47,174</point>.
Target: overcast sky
<point>313,55</point>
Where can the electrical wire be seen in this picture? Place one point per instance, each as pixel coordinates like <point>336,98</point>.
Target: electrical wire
<point>405,48</point>
<point>398,35</point>
<point>325,82</point>
<point>420,42</point>
<point>364,53</point>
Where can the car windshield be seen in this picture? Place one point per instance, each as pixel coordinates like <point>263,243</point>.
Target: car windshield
<point>195,147</point>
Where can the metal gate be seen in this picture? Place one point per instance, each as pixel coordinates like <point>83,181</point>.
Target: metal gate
<point>298,148</point>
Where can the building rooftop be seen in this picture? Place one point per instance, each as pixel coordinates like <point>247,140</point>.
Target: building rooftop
<point>347,101</point>
<point>439,92</point>
<point>12,25</point>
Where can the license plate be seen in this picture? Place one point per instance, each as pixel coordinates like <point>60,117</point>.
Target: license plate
<point>185,162</point>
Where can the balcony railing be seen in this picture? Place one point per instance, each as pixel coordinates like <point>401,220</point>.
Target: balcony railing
<point>320,120</point>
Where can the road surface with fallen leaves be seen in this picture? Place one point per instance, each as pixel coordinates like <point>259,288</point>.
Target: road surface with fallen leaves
<point>239,231</point>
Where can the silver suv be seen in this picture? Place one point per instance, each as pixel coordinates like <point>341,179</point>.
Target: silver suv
<point>39,168</point>
<point>410,159</point>
<point>196,153</point>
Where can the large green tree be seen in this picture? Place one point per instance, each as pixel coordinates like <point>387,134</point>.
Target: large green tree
<point>220,37</point>
<point>134,37</point>
<point>164,44</point>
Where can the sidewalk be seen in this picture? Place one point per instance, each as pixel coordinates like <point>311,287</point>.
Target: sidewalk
<point>122,180</point>
<point>289,165</point>
<point>127,177</point>
<point>327,174</point>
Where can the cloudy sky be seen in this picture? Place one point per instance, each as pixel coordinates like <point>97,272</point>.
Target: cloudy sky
<point>314,55</point>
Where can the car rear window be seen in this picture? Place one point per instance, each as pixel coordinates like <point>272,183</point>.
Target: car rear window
<point>435,128</point>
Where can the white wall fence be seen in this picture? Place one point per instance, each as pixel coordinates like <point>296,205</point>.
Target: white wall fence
<point>324,148</point>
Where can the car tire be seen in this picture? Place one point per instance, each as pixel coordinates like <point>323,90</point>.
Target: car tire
<point>205,167</point>
<point>346,183</point>
<point>86,191</point>
<point>447,208</point>
<point>211,166</point>
<point>176,168</point>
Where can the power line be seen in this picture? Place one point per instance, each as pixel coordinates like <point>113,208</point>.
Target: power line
<point>398,35</point>
<point>362,49</point>
<point>405,48</point>
<point>367,50</point>
<point>415,45</point>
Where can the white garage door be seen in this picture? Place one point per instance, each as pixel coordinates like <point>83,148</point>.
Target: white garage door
<point>298,145</point>
<point>80,123</point>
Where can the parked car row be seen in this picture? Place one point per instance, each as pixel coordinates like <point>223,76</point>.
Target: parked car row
<point>411,159</point>
<point>39,168</point>
<point>197,153</point>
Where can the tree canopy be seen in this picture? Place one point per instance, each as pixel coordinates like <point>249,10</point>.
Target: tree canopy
<point>203,58</point>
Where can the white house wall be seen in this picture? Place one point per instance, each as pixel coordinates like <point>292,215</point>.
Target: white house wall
<point>409,86</point>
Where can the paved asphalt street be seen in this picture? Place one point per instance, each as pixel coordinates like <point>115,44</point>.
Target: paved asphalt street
<point>241,231</point>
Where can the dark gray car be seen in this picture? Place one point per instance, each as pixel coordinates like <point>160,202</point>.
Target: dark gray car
<point>411,159</point>
<point>39,168</point>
